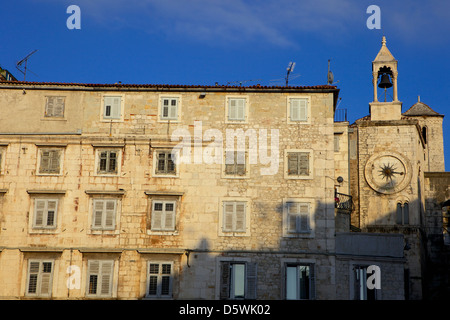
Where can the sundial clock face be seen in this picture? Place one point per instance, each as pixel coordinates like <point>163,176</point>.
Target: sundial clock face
<point>388,172</point>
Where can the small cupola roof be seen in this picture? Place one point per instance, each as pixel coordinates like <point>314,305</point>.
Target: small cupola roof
<point>421,109</point>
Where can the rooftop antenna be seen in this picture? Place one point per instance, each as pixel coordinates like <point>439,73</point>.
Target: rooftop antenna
<point>24,63</point>
<point>289,69</point>
<point>330,76</point>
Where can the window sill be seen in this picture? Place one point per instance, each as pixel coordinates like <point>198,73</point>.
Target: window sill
<point>162,233</point>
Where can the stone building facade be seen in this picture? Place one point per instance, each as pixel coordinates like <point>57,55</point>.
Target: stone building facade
<point>119,191</point>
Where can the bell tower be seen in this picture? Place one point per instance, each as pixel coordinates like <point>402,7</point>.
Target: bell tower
<point>385,74</point>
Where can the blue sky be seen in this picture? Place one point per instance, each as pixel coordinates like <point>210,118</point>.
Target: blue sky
<point>207,41</point>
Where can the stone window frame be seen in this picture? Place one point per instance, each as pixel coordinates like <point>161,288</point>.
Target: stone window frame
<point>221,225</point>
<point>98,149</point>
<point>224,284</point>
<point>155,153</point>
<point>308,110</point>
<point>159,277</point>
<point>90,272</point>
<point>54,115</point>
<point>46,195</point>
<point>245,120</point>
<point>44,148</point>
<point>155,196</point>
<point>96,195</point>
<point>309,176</point>
<point>40,274</point>
<point>310,233</point>
<point>246,173</point>
<point>285,262</point>
<point>103,117</point>
<point>179,108</point>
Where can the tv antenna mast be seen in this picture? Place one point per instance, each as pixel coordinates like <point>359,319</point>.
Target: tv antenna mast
<point>330,76</point>
<point>289,69</point>
<point>23,63</point>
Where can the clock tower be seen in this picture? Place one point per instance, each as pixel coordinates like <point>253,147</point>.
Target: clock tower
<point>387,169</point>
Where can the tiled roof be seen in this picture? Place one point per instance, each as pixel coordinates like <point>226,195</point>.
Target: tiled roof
<point>163,86</point>
<point>420,109</point>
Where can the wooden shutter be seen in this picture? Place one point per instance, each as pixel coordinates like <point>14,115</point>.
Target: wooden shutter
<point>33,274</point>
<point>228,212</point>
<point>113,107</point>
<point>46,278</point>
<point>157,215</point>
<point>232,109</point>
<point>303,163</point>
<point>251,281</point>
<point>303,216</point>
<point>295,110</point>
<point>240,163</point>
<point>98,213</point>
<point>173,110</point>
<point>240,104</point>
<point>225,280</point>
<point>52,206</point>
<point>303,111</point>
<point>312,281</point>
<point>169,215</point>
<point>39,212</point>
<point>110,213</point>
<point>292,163</point>
<point>240,217</point>
<point>106,277</point>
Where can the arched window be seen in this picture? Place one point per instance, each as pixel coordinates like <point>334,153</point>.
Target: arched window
<point>424,134</point>
<point>402,213</point>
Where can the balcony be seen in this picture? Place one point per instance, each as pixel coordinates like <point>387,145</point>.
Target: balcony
<point>343,202</point>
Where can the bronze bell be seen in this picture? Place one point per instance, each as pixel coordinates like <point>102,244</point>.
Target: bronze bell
<point>385,81</point>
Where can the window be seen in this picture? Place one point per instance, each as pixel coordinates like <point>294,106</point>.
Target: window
<point>237,167</point>
<point>169,108</point>
<point>54,107</point>
<point>362,292</point>
<point>108,161</point>
<point>50,161</point>
<point>237,280</point>
<point>298,163</point>
<point>402,213</point>
<point>163,215</point>
<point>104,214</point>
<point>336,142</point>
<point>165,164</point>
<point>112,107</point>
<point>234,216</point>
<point>100,275</point>
<point>297,217</point>
<point>298,109</point>
<point>40,274</point>
<point>236,109</point>
<point>159,280</point>
<point>45,211</point>
<point>300,282</point>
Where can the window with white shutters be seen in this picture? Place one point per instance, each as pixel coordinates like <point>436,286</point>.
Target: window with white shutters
<point>238,280</point>
<point>237,168</point>
<point>169,109</point>
<point>39,278</point>
<point>104,214</point>
<point>297,217</point>
<point>100,277</point>
<point>54,107</point>
<point>45,212</point>
<point>298,109</point>
<point>159,279</point>
<point>234,216</point>
<point>50,161</point>
<point>300,281</point>
<point>236,109</point>
<point>163,215</point>
<point>112,107</point>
